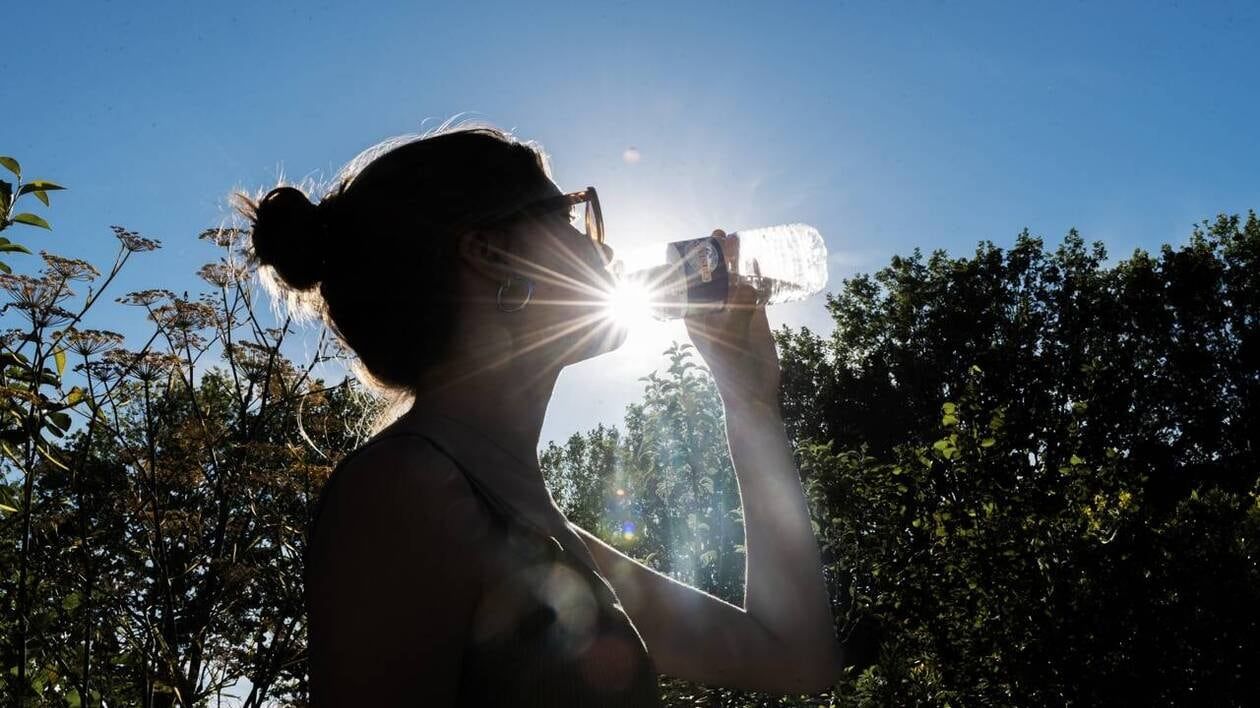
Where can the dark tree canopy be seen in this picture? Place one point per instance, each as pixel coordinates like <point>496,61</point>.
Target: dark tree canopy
<point>1047,479</point>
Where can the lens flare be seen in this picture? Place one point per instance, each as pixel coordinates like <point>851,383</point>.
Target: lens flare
<point>629,304</point>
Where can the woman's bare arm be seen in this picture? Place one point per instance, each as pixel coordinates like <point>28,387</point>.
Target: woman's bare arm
<point>783,639</point>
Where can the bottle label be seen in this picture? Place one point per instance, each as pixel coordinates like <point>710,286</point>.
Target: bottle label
<point>704,269</point>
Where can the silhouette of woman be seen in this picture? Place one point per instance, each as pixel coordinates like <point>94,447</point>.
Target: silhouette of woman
<point>439,571</point>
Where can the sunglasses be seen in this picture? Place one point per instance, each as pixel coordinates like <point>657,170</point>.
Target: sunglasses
<point>593,218</point>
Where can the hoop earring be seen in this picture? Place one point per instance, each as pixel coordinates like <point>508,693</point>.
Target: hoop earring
<point>508,284</point>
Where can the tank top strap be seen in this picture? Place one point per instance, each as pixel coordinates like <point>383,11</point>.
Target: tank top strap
<point>563,540</point>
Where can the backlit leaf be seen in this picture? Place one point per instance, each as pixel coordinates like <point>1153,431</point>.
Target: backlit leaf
<point>11,165</point>
<point>32,220</point>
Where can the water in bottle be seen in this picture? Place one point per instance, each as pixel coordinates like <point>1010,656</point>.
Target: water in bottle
<point>782,263</point>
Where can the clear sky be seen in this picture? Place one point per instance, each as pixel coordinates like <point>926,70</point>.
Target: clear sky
<point>886,125</point>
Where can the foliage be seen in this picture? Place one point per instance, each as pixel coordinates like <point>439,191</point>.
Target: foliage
<point>35,411</point>
<point>9,215</point>
<point>1039,473</point>
<point>1033,476</point>
<point>167,529</point>
<point>664,492</point>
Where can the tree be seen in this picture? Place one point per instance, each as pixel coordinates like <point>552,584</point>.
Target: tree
<point>165,535</point>
<point>1033,476</point>
<point>1041,473</point>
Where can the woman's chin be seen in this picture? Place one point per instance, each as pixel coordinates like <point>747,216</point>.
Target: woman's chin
<point>610,339</point>
<point>607,339</point>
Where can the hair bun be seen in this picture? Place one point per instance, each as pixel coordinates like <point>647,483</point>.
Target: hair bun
<point>289,234</point>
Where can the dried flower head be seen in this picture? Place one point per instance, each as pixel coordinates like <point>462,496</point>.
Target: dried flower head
<point>100,370</point>
<point>37,298</point>
<point>251,358</point>
<point>11,339</point>
<point>55,316</point>
<point>145,298</point>
<point>90,342</point>
<point>225,237</point>
<point>183,315</point>
<point>69,268</point>
<point>133,241</point>
<point>144,366</point>
<point>24,289</point>
<point>221,274</point>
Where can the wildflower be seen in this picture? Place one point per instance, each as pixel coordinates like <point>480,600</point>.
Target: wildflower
<point>69,268</point>
<point>12,339</point>
<point>221,274</point>
<point>144,366</point>
<point>90,342</point>
<point>222,236</point>
<point>37,298</point>
<point>27,291</point>
<point>144,298</point>
<point>100,370</point>
<point>183,315</point>
<point>133,241</point>
<point>251,359</point>
<point>54,316</point>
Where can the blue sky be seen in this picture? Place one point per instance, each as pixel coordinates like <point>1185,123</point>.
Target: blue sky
<point>886,125</point>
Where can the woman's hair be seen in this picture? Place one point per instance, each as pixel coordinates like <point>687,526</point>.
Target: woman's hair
<point>375,258</point>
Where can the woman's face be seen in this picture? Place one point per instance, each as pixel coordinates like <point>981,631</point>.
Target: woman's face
<point>567,316</point>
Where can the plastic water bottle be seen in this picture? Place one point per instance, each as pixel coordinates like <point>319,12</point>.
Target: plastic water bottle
<point>782,263</point>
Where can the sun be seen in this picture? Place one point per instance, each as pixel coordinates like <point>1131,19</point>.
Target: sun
<point>629,304</point>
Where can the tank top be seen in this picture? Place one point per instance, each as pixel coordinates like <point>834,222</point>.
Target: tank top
<point>549,630</point>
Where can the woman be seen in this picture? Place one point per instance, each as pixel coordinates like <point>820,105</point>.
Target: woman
<point>439,570</point>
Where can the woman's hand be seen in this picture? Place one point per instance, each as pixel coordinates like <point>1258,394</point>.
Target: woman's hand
<point>736,344</point>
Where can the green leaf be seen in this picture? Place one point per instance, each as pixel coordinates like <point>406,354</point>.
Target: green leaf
<point>32,220</point>
<point>1076,460</point>
<point>6,507</point>
<point>12,165</point>
<point>948,408</point>
<point>40,189</point>
<point>988,442</point>
<point>949,419</point>
<point>60,420</point>
<point>73,397</point>
<point>7,246</point>
<point>39,185</point>
<point>59,356</point>
<point>71,601</point>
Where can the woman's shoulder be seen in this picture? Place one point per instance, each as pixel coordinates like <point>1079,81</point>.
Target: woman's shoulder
<point>407,481</point>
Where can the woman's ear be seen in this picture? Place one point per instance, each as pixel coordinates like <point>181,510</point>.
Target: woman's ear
<point>485,251</point>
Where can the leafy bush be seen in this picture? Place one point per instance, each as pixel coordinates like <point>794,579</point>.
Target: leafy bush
<point>1038,474</point>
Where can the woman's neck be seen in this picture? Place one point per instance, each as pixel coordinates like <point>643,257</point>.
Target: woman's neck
<point>506,403</point>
